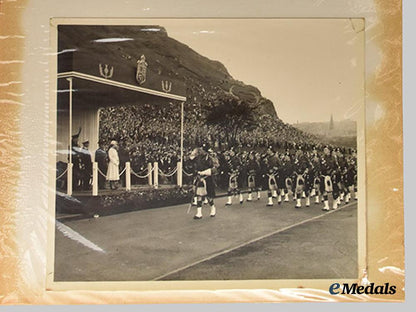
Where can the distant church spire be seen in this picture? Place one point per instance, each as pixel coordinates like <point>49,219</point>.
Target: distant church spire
<point>331,123</point>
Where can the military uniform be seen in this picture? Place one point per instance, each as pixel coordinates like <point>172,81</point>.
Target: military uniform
<point>234,168</point>
<point>205,167</point>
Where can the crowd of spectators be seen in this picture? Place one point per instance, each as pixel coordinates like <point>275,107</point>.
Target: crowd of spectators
<point>150,133</point>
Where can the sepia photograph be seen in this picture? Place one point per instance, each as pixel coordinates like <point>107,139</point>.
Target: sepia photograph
<point>209,150</point>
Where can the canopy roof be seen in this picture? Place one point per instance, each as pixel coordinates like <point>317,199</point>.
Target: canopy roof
<point>104,69</point>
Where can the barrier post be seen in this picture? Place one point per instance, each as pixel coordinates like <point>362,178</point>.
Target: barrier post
<point>128,176</point>
<point>69,179</point>
<point>179,173</point>
<point>94,178</point>
<point>156,174</point>
<point>149,172</point>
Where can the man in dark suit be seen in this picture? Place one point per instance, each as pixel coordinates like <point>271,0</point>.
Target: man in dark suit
<point>86,165</point>
<point>101,160</point>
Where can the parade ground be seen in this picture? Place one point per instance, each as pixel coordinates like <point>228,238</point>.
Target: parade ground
<point>243,242</point>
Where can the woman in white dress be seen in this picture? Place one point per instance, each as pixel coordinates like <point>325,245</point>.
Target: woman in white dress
<point>113,163</point>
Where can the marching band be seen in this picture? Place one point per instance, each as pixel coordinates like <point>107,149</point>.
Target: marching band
<point>305,174</point>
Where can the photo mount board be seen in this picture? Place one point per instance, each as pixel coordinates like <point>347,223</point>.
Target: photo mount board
<point>384,200</point>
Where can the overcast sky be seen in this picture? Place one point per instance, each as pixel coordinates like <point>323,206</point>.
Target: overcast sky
<point>309,68</point>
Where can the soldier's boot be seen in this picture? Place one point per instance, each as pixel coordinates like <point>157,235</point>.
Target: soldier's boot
<point>270,201</point>
<point>195,201</point>
<point>241,198</point>
<point>347,198</point>
<point>317,199</point>
<point>229,201</point>
<point>356,194</point>
<point>213,211</point>
<point>341,198</point>
<point>308,201</point>
<point>313,192</point>
<point>286,197</point>
<point>205,201</point>
<point>339,201</point>
<point>326,203</point>
<point>303,194</point>
<point>198,213</point>
<point>335,204</point>
<point>258,195</point>
<point>279,199</point>
<point>298,203</point>
<point>274,194</point>
<point>250,197</point>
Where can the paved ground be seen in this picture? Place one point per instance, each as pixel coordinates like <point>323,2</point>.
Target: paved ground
<point>251,241</point>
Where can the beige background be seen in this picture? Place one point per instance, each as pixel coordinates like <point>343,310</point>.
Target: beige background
<point>25,127</point>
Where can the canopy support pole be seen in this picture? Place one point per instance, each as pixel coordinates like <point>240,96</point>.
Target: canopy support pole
<point>69,174</point>
<point>179,173</point>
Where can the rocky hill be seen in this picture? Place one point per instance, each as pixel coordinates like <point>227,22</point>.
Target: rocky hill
<point>204,82</point>
<point>122,46</point>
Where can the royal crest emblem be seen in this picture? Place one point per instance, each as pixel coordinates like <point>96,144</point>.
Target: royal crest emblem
<point>141,70</point>
<point>106,72</point>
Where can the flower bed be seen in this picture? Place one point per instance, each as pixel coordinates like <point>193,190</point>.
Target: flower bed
<point>136,200</point>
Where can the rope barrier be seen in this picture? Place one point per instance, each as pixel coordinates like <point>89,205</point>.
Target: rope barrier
<point>120,174</point>
<point>186,173</point>
<point>168,174</point>
<point>139,176</point>
<point>62,174</point>
<point>100,172</point>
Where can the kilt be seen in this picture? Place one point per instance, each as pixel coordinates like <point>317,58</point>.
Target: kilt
<point>251,181</point>
<point>281,181</point>
<point>316,184</point>
<point>272,183</point>
<point>326,184</point>
<point>288,183</point>
<point>205,187</point>
<point>300,184</point>
<point>201,187</point>
<point>233,182</point>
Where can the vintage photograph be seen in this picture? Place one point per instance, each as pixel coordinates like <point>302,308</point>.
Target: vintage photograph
<point>208,149</point>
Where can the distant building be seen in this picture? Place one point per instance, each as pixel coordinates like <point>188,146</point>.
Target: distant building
<point>331,123</point>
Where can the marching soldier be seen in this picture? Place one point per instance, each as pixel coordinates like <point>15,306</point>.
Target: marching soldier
<point>234,168</point>
<point>205,168</point>
<point>325,179</point>
<point>253,170</point>
<point>287,173</point>
<point>273,166</point>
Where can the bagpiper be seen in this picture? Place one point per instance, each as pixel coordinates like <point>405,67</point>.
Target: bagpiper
<point>253,171</point>
<point>234,168</point>
<point>204,168</point>
<point>272,165</point>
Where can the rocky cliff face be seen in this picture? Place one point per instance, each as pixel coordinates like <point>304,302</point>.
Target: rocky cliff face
<point>203,81</point>
<point>206,84</point>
